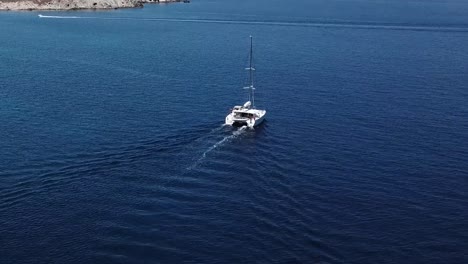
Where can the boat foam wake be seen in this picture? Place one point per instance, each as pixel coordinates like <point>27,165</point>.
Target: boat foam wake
<point>62,17</point>
<point>316,24</point>
<point>219,143</point>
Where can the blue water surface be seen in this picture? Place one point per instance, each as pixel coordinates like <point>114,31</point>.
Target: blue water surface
<point>112,148</point>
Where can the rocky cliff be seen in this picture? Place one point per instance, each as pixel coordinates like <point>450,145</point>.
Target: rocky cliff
<point>72,4</point>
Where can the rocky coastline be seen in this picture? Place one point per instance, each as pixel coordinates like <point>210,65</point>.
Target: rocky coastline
<point>75,4</point>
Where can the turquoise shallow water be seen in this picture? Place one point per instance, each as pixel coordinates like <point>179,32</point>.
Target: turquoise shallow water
<point>112,148</point>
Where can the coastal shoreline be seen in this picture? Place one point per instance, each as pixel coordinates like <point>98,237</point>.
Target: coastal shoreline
<point>51,5</point>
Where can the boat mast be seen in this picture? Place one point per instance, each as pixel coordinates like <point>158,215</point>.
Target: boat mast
<point>251,69</point>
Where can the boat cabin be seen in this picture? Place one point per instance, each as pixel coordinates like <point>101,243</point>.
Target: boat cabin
<point>243,113</point>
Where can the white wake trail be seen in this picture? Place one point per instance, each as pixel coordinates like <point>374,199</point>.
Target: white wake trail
<point>234,134</point>
<point>62,17</point>
<point>354,25</point>
<point>219,143</point>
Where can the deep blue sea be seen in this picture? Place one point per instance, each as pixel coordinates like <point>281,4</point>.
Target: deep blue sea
<point>113,149</point>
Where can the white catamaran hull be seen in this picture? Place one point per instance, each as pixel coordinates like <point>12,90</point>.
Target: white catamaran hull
<point>233,119</point>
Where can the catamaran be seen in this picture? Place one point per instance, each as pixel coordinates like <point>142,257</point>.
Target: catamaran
<point>247,114</point>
